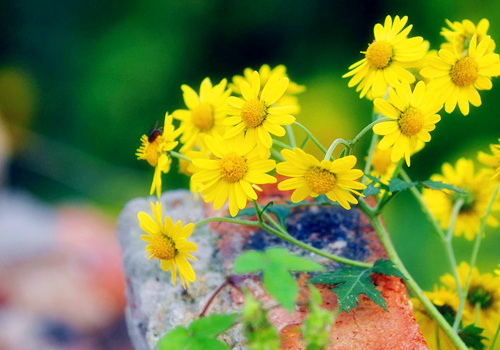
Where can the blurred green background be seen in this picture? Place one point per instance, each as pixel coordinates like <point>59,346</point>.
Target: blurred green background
<point>81,81</point>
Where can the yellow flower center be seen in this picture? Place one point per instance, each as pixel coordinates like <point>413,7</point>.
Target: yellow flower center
<point>202,116</point>
<point>162,247</point>
<point>233,167</point>
<point>465,71</point>
<point>379,54</point>
<point>151,151</point>
<point>320,180</point>
<point>411,121</point>
<point>253,113</point>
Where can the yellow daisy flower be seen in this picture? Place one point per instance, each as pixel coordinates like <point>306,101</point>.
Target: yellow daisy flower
<point>310,177</point>
<point>483,297</point>
<point>206,111</point>
<point>456,77</point>
<point>413,114</point>
<point>498,270</point>
<point>265,72</point>
<point>231,172</point>
<point>153,149</point>
<point>168,243</point>
<point>255,115</point>
<point>387,58</point>
<point>478,191</point>
<point>446,302</point>
<point>460,34</point>
<point>381,165</point>
<point>493,160</point>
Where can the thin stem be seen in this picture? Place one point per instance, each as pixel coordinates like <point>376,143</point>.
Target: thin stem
<point>277,154</point>
<point>368,127</point>
<point>301,244</point>
<point>282,144</point>
<point>291,136</point>
<point>423,204</point>
<point>475,251</point>
<point>180,156</point>
<point>383,200</point>
<point>414,287</point>
<point>334,144</point>
<point>320,146</point>
<point>494,341</point>
<point>368,164</point>
<point>287,237</point>
<point>257,210</point>
<point>212,297</point>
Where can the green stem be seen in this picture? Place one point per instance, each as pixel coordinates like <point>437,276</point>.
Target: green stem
<point>494,341</point>
<point>277,154</point>
<point>414,287</point>
<point>291,136</point>
<point>383,200</point>
<point>368,164</point>
<point>311,136</point>
<point>475,251</point>
<point>425,208</point>
<point>180,156</point>
<point>282,144</point>
<point>368,127</point>
<point>287,237</point>
<point>334,144</point>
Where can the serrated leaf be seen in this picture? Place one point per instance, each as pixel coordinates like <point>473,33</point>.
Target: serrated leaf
<point>352,281</point>
<point>292,262</point>
<point>438,185</point>
<point>177,339</point>
<point>251,261</point>
<point>386,267</point>
<point>397,185</point>
<point>281,285</point>
<point>471,336</point>
<point>210,326</point>
<point>371,190</point>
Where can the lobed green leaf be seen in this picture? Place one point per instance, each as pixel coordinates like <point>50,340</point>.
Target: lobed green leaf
<point>251,261</point>
<point>210,326</point>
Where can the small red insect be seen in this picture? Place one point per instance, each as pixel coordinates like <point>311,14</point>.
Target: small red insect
<point>155,132</point>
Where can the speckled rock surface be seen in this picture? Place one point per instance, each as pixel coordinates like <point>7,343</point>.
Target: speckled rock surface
<point>155,306</point>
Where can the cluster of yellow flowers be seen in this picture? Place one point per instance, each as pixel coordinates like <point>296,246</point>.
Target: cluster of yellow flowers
<point>394,61</point>
<point>481,307</point>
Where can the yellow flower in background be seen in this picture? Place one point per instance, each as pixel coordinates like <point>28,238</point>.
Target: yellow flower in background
<point>231,172</point>
<point>414,116</point>
<point>460,34</point>
<point>455,78</point>
<point>483,298</point>
<point>446,302</point>
<point>154,147</point>
<point>168,243</point>
<point>387,58</point>
<point>478,191</point>
<point>498,270</point>
<point>381,165</point>
<point>254,115</point>
<point>310,177</point>
<point>493,160</point>
<point>206,111</point>
<point>265,72</point>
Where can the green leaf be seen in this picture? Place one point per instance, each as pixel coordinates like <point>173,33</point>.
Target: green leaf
<point>471,335</point>
<point>292,262</point>
<point>386,267</point>
<point>210,326</point>
<point>281,285</point>
<point>251,261</point>
<point>210,343</point>
<point>250,211</point>
<point>438,185</point>
<point>371,190</point>
<point>397,185</point>
<point>276,264</point>
<point>177,339</point>
<point>352,281</point>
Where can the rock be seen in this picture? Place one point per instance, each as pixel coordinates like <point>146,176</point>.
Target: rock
<point>155,306</point>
